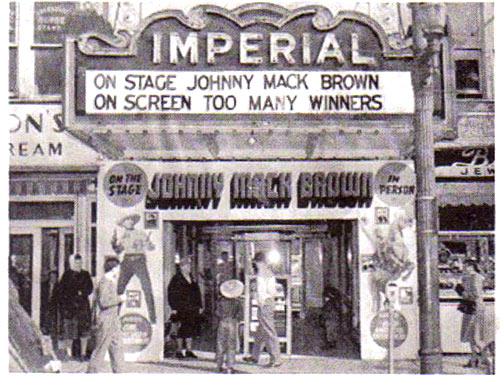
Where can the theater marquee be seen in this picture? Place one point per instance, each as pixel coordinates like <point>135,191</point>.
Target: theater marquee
<point>149,92</point>
<point>258,62</point>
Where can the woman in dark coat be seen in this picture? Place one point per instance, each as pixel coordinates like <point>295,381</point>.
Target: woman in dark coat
<point>74,290</point>
<point>184,298</point>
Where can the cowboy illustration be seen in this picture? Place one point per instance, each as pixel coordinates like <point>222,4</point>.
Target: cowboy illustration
<point>391,260</point>
<point>134,243</point>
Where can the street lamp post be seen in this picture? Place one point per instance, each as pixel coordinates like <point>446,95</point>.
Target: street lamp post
<point>428,28</point>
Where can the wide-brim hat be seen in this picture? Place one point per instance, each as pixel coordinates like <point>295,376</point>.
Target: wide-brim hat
<point>134,217</point>
<point>232,288</point>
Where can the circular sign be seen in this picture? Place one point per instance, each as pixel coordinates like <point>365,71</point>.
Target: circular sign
<point>395,184</point>
<point>125,184</point>
<point>136,332</point>
<point>379,328</point>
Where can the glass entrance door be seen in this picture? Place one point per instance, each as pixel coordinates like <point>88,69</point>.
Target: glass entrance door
<point>21,247</point>
<point>277,250</point>
<point>37,257</point>
<point>57,247</point>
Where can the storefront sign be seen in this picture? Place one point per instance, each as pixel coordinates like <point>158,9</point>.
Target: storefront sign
<point>379,329</point>
<point>54,21</point>
<point>243,92</point>
<point>395,184</point>
<point>136,332</point>
<point>39,137</point>
<point>329,189</point>
<point>468,163</point>
<point>125,184</point>
<point>261,189</point>
<point>177,190</point>
<point>247,189</point>
<point>266,60</point>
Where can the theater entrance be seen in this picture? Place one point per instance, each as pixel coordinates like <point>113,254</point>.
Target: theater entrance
<point>308,258</point>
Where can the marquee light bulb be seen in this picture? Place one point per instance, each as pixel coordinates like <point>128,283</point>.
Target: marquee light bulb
<point>274,256</point>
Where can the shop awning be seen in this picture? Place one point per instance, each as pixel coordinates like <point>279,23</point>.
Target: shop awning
<point>465,194</point>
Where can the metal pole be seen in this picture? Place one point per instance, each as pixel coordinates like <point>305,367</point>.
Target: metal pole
<point>426,46</point>
<point>391,338</point>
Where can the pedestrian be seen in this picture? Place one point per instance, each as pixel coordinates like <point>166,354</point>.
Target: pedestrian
<point>228,312</point>
<point>331,316</point>
<point>20,275</point>
<point>184,298</point>
<point>108,331</point>
<point>266,331</point>
<point>74,290</point>
<point>50,322</point>
<point>134,243</point>
<point>472,305</point>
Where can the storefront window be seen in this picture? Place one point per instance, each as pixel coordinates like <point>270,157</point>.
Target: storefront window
<point>20,267</point>
<point>467,218</point>
<point>467,79</point>
<point>455,249</point>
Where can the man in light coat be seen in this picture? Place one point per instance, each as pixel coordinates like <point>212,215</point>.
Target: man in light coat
<point>266,332</point>
<point>108,337</point>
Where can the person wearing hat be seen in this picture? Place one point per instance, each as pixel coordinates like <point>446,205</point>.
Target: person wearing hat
<point>228,311</point>
<point>134,243</point>
<point>266,332</point>
<point>108,336</point>
<point>184,298</point>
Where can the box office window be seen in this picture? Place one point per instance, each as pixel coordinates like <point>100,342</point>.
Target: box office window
<point>41,210</point>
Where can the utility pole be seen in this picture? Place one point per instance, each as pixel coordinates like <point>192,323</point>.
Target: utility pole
<point>427,30</point>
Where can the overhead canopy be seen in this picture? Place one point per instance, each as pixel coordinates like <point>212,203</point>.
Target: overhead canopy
<point>465,194</point>
<point>153,144</point>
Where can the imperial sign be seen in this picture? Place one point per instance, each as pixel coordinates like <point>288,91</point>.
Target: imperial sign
<point>266,60</point>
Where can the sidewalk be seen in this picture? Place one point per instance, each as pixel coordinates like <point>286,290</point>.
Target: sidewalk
<point>292,365</point>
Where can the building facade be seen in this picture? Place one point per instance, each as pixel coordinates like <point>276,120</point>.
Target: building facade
<point>264,128</point>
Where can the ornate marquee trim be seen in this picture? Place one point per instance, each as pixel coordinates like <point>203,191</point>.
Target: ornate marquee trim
<point>123,44</point>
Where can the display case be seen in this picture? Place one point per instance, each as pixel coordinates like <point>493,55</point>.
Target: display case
<point>454,249</point>
<point>282,313</point>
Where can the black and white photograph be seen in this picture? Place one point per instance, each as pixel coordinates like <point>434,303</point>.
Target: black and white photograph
<point>239,187</point>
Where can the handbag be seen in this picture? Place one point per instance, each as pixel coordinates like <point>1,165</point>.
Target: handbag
<point>467,307</point>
